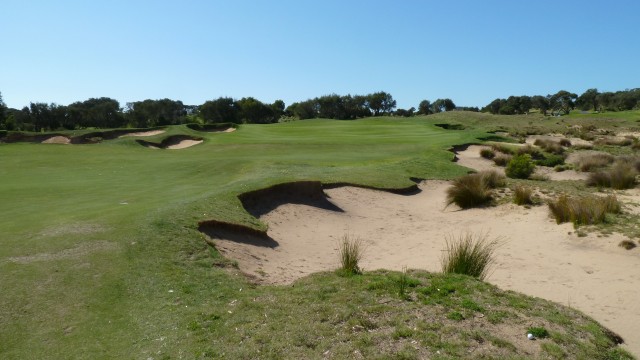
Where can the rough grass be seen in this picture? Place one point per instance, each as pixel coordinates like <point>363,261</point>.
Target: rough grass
<point>522,195</point>
<point>474,189</point>
<point>589,162</point>
<point>621,176</point>
<point>586,210</point>
<point>627,244</point>
<point>351,250</point>
<point>502,159</point>
<point>487,153</point>
<point>469,254</point>
<point>550,146</point>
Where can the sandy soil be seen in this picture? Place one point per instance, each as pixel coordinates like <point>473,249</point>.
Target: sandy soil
<point>57,140</point>
<point>229,130</point>
<point>143,133</point>
<point>531,139</point>
<point>537,257</point>
<point>184,144</point>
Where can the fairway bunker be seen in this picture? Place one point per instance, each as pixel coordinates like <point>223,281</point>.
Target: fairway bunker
<point>57,140</point>
<point>226,128</point>
<point>174,142</point>
<point>537,257</point>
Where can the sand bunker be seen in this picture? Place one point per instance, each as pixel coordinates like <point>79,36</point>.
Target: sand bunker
<point>143,133</point>
<point>57,140</point>
<point>538,257</point>
<point>174,142</point>
<point>183,144</point>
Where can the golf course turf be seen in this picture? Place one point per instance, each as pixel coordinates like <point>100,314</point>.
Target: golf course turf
<point>101,254</point>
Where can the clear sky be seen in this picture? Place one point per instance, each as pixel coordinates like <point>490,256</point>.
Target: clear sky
<point>471,51</point>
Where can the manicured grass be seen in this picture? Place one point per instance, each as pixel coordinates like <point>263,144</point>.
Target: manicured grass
<point>101,256</point>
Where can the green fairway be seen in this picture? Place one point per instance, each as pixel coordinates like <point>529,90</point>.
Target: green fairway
<point>100,256</point>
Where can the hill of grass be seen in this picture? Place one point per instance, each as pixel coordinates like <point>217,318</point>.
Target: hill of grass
<point>101,256</point>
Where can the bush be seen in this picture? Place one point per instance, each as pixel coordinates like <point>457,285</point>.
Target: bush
<point>520,167</point>
<point>502,159</point>
<point>565,142</point>
<point>621,176</point>
<point>487,153</point>
<point>469,255</point>
<point>627,244</point>
<point>583,211</point>
<point>351,251</point>
<point>551,160</point>
<point>550,146</point>
<point>474,189</point>
<point>523,195</point>
<point>528,149</point>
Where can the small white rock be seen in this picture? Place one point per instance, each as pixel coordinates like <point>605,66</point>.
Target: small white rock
<point>530,336</point>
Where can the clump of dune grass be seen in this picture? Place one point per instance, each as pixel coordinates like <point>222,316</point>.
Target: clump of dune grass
<point>523,195</point>
<point>533,151</point>
<point>503,149</point>
<point>614,141</point>
<point>487,153</point>
<point>469,254</point>
<point>549,146</point>
<point>621,176</point>
<point>627,244</point>
<point>589,162</point>
<point>502,159</point>
<point>351,250</point>
<point>583,211</point>
<point>474,189</point>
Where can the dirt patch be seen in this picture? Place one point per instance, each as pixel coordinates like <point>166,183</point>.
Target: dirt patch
<point>538,257</point>
<point>470,157</point>
<point>75,252</point>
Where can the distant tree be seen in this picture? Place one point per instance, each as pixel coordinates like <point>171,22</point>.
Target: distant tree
<point>3,112</point>
<point>381,103</point>
<point>356,106</point>
<point>150,113</point>
<point>441,105</point>
<point>541,103</point>
<point>424,108</point>
<point>562,102</point>
<point>223,109</point>
<point>278,107</point>
<point>405,112</point>
<point>588,100</point>
<point>254,111</point>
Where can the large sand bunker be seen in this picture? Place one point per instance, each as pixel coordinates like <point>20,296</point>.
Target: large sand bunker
<point>174,142</point>
<point>537,257</point>
<point>57,140</point>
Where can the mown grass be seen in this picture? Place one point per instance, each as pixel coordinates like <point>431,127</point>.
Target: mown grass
<point>112,265</point>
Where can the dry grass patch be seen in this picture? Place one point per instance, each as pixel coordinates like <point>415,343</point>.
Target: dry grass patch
<point>621,176</point>
<point>469,254</point>
<point>487,153</point>
<point>474,189</point>
<point>523,195</point>
<point>583,211</point>
<point>550,146</point>
<point>589,162</point>
<point>627,244</point>
<point>351,252</point>
<point>502,159</point>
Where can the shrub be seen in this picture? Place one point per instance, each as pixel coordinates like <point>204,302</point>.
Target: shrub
<point>469,191</point>
<point>469,255</point>
<point>520,167</point>
<point>523,195</point>
<point>583,211</point>
<point>502,159</point>
<point>627,244</point>
<point>565,142</point>
<point>351,251</point>
<point>589,162</point>
<point>551,160</point>
<point>487,153</point>
<point>621,176</point>
<point>492,179</point>
<point>550,146</point>
<point>528,149</point>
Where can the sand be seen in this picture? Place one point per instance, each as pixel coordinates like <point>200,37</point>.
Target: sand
<point>471,158</point>
<point>143,133</point>
<point>183,144</point>
<point>57,140</point>
<point>538,257</point>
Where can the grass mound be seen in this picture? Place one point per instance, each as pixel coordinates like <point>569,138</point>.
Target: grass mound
<point>469,254</point>
<point>523,195</point>
<point>583,211</point>
<point>589,162</point>
<point>621,176</point>
<point>474,189</point>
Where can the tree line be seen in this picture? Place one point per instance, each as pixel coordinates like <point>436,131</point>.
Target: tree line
<point>563,102</point>
<point>107,113</point>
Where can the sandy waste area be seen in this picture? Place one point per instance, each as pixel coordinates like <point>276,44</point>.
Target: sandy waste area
<point>537,257</point>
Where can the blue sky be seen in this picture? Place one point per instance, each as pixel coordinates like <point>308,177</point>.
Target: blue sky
<point>471,51</point>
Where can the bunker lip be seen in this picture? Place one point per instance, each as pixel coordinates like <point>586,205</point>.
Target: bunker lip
<point>172,142</point>
<point>410,231</point>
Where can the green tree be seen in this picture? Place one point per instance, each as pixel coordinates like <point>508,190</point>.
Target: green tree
<point>223,109</point>
<point>424,108</point>
<point>441,105</point>
<point>588,100</point>
<point>381,103</point>
<point>3,112</point>
<point>562,102</point>
<point>541,103</point>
